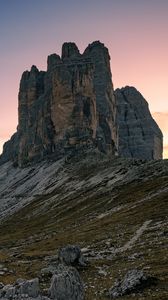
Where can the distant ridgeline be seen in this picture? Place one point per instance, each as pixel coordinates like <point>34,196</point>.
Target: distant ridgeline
<point>73,106</point>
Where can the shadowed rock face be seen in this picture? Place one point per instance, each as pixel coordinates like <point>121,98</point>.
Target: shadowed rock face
<point>138,134</point>
<point>67,108</point>
<point>72,107</point>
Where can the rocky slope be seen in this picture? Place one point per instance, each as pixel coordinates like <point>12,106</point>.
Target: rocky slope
<point>114,209</point>
<point>72,107</point>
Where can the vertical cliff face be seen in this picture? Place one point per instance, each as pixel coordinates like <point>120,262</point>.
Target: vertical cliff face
<point>72,107</point>
<point>138,134</point>
<point>67,108</point>
<point>69,85</point>
<point>105,100</point>
<point>35,126</point>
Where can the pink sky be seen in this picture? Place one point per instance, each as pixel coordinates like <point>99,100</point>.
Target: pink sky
<point>134,31</point>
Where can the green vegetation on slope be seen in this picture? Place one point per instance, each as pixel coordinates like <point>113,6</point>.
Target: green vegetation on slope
<point>97,219</point>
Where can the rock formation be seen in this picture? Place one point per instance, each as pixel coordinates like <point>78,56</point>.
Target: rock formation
<point>71,255</point>
<point>66,108</point>
<point>72,107</point>
<point>22,289</point>
<point>138,134</point>
<point>134,280</point>
<point>66,284</point>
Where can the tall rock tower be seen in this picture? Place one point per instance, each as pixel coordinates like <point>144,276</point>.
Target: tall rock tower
<point>69,107</point>
<point>72,107</point>
<point>138,134</point>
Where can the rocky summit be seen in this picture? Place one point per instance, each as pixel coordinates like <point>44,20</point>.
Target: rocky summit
<point>73,107</point>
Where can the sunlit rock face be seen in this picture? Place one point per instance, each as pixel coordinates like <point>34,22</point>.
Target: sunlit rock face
<point>72,107</point>
<point>138,134</point>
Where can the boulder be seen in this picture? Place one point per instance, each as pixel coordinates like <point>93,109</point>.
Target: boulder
<point>71,255</point>
<point>133,281</point>
<point>28,287</point>
<point>66,284</point>
<point>21,289</point>
<point>8,292</point>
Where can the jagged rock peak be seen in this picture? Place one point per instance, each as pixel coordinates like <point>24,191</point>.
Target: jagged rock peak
<point>53,60</point>
<point>70,50</point>
<point>97,47</point>
<point>32,74</point>
<point>32,78</point>
<point>132,93</point>
<point>34,69</point>
<point>66,109</point>
<point>138,134</point>
<point>96,44</point>
<point>72,107</point>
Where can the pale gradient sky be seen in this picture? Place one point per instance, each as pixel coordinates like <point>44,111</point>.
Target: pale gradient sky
<point>134,31</point>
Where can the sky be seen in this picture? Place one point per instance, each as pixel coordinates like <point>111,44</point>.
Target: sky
<point>135,32</point>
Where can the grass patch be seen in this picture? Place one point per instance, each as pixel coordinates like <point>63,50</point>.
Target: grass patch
<point>42,227</point>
